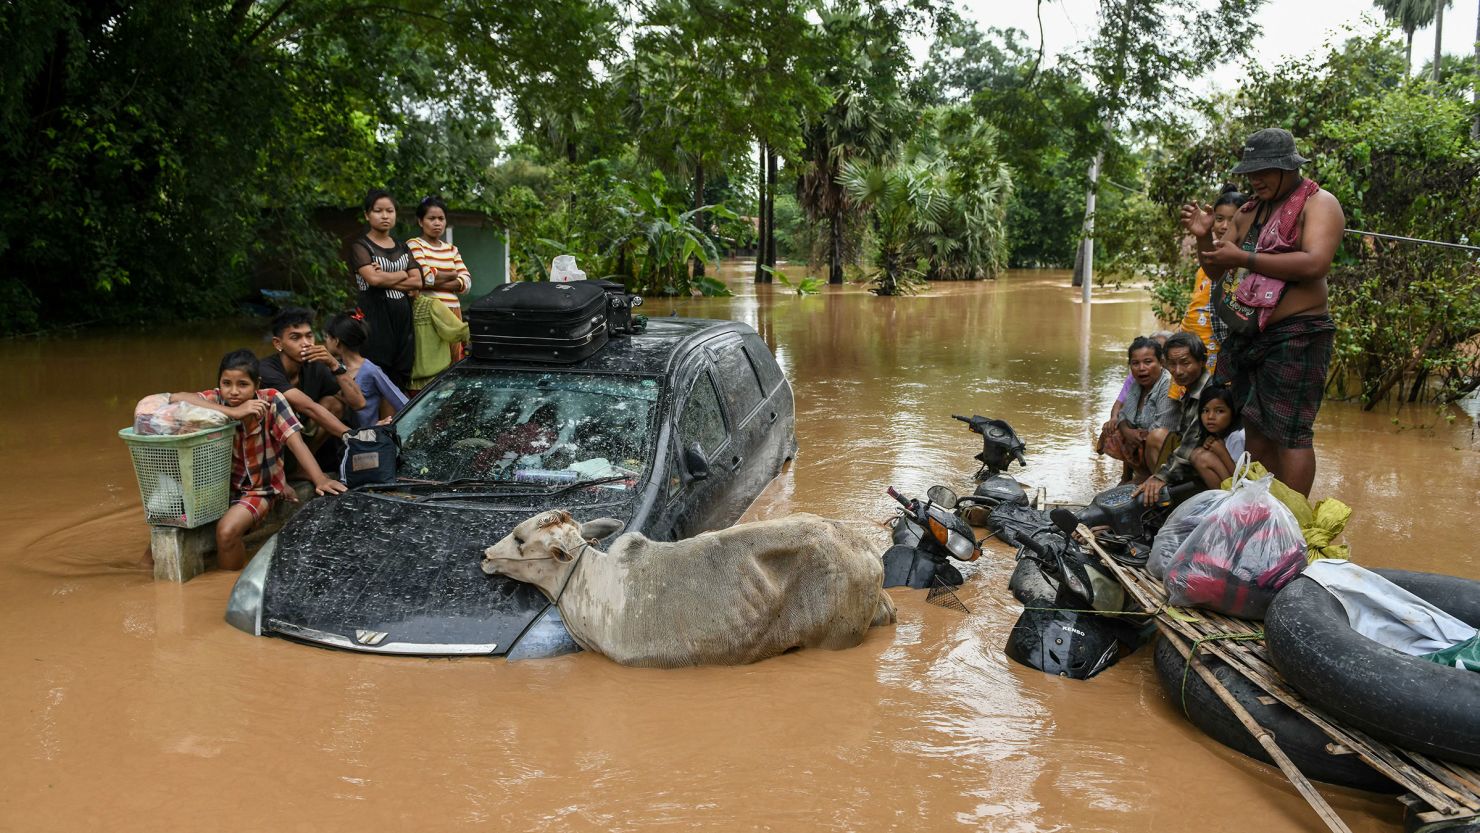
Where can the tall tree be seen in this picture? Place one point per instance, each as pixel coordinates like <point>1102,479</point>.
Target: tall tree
<point>1439,35</point>
<point>1141,59</point>
<point>1410,16</point>
<point>159,151</point>
<point>867,66</point>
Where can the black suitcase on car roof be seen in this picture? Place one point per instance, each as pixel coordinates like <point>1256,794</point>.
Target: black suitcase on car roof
<point>558,323</point>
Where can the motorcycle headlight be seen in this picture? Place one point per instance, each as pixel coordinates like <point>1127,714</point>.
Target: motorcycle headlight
<point>244,608</point>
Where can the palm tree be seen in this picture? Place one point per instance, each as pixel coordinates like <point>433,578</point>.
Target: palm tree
<point>866,117</point>
<point>1439,35</point>
<point>905,206</point>
<point>1408,15</point>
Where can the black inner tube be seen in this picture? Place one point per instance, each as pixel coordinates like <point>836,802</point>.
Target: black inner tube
<point>1298,737</point>
<point>1407,701</point>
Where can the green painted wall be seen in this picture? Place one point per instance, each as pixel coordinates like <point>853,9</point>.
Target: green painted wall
<point>486,252</point>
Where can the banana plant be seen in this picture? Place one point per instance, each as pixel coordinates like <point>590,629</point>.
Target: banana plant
<point>660,241</point>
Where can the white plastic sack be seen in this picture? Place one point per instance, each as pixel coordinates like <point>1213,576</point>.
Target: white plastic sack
<point>563,270</point>
<point>167,497</point>
<point>1243,552</point>
<point>1386,613</point>
<point>1178,526</point>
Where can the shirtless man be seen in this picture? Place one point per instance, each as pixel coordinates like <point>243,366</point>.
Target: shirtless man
<point>1280,332</point>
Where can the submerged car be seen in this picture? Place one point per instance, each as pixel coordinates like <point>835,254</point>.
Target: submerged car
<point>674,430</point>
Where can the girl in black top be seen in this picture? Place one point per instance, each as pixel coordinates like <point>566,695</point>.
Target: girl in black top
<point>384,273</point>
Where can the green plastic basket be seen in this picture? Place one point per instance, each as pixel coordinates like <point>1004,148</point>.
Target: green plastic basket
<point>184,479</point>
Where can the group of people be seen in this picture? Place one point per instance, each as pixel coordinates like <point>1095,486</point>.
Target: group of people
<point>1247,370</point>
<point>297,406</point>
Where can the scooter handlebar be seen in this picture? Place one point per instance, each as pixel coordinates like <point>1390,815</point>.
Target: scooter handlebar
<point>897,496</point>
<point>1029,542</point>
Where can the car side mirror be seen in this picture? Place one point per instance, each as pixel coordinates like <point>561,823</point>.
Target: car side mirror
<point>695,462</point>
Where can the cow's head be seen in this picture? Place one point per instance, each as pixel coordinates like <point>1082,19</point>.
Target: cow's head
<point>542,550</point>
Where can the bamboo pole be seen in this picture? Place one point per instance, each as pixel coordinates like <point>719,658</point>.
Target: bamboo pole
<point>1450,799</point>
<point>1297,778</point>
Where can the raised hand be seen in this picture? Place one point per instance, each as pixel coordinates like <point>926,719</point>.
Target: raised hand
<point>1225,255</point>
<point>1197,219</point>
<point>250,409</point>
<point>318,353</point>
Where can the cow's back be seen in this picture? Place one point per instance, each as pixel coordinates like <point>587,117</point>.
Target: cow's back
<point>745,593</point>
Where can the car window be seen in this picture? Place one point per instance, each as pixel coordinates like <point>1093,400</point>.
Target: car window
<point>742,388</point>
<point>535,427</point>
<point>763,362</point>
<point>702,421</point>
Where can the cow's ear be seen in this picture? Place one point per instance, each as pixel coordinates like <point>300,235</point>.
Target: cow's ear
<point>601,528</point>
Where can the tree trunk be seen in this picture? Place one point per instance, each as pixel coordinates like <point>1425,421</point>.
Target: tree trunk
<point>771,207</point>
<point>761,275</point>
<point>1408,55</point>
<point>699,218</point>
<point>1438,37</point>
<point>1087,244</point>
<point>1475,127</point>
<point>835,248</point>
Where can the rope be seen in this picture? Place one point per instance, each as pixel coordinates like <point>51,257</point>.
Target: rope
<point>1412,240</point>
<point>1101,612</point>
<point>1192,654</point>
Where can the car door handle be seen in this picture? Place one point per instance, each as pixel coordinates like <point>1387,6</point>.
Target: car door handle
<point>772,417</point>
<point>735,461</point>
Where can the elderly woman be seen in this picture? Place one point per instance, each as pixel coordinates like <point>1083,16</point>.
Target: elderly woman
<point>1148,406</point>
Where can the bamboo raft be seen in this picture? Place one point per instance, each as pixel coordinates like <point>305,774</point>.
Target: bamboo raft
<point>1436,791</point>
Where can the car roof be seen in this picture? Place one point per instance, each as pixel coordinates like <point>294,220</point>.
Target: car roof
<point>651,352</point>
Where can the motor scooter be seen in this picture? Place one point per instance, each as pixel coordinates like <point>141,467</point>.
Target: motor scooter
<point>1076,634</point>
<point>926,535</point>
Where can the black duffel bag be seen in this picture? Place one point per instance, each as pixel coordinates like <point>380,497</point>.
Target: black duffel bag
<point>560,323</point>
<point>370,456</point>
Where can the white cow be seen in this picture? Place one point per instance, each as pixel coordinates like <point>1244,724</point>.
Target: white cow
<point>733,596</point>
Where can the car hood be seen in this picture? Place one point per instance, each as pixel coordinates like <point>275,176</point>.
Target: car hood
<point>378,573</point>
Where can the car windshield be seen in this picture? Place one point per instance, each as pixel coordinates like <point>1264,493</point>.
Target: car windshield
<point>554,427</point>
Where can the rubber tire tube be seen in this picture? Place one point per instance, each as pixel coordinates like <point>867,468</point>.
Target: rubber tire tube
<point>1412,824</point>
<point>1406,701</point>
<point>1297,736</point>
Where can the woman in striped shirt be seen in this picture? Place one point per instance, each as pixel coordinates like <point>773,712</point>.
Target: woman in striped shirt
<point>384,272</point>
<point>446,275</point>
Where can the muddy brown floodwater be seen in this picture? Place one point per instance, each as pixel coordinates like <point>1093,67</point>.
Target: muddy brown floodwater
<point>127,704</point>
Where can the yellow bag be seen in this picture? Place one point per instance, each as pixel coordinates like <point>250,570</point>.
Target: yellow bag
<point>1319,524</point>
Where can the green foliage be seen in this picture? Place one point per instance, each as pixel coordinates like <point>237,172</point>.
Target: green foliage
<point>906,205</point>
<point>805,286</point>
<point>616,221</point>
<point>1398,154</point>
<point>158,157</point>
<point>968,240</point>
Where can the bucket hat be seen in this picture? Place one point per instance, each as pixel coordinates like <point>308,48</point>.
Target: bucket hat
<point>1270,148</point>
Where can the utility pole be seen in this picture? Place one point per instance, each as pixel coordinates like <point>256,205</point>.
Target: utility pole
<point>1088,281</point>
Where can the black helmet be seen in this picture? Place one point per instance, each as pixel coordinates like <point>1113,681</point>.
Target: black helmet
<point>1067,644</point>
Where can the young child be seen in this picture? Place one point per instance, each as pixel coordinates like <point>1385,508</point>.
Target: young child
<point>1215,459</point>
<point>258,476</point>
<point>345,336</point>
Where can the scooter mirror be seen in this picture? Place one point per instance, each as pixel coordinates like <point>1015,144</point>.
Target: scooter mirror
<point>1065,520</point>
<point>942,496</point>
